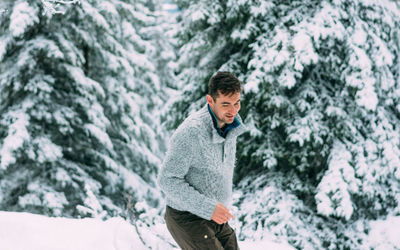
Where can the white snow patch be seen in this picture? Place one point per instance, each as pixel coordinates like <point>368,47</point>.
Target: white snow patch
<point>305,53</point>
<point>97,18</point>
<point>264,244</point>
<point>367,97</point>
<point>251,86</point>
<point>25,231</point>
<point>170,7</point>
<point>17,135</point>
<point>43,196</point>
<point>360,36</point>
<point>333,196</point>
<point>93,206</point>
<point>47,151</point>
<point>300,132</point>
<point>85,83</point>
<point>97,117</point>
<point>108,7</point>
<point>324,24</point>
<point>197,15</point>
<point>3,46</point>
<point>99,134</point>
<point>384,234</point>
<point>29,199</point>
<point>21,18</point>
<point>262,9</point>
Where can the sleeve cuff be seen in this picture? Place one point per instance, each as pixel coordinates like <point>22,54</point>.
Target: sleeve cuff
<point>207,209</point>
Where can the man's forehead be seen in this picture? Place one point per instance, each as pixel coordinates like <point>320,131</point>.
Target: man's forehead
<point>230,97</point>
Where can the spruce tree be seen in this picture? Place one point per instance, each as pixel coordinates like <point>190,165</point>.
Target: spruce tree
<point>205,46</point>
<point>321,100</point>
<point>79,99</point>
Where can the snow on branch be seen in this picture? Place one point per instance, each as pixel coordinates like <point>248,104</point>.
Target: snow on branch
<point>333,193</point>
<point>53,6</point>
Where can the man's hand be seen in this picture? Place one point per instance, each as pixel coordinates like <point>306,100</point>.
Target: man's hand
<point>221,214</point>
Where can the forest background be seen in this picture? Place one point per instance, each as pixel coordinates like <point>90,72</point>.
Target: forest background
<point>90,92</point>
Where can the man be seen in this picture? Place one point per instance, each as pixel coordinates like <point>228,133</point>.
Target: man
<point>197,171</point>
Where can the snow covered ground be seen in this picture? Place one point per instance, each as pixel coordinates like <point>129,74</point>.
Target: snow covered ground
<point>25,231</point>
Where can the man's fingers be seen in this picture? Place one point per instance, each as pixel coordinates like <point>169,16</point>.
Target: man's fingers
<point>224,218</point>
<point>221,214</point>
<point>228,214</point>
<point>219,219</point>
<point>223,208</point>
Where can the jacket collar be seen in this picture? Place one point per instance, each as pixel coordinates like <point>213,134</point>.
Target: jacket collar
<point>215,137</point>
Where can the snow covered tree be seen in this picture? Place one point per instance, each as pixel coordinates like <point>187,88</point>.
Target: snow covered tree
<point>79,100</point>
<point>205,46</point>
<point>321,99</point>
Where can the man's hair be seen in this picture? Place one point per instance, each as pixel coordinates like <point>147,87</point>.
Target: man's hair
<point>224,82</point>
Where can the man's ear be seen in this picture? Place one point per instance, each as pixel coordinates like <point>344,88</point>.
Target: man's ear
<point>209,99</point>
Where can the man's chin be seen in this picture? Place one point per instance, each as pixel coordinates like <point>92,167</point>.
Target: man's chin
<point>229,120</point>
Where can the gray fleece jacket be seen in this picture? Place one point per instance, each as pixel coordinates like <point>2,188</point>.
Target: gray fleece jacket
<point>197,170</point>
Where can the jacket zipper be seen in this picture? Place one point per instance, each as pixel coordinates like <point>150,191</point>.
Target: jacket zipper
<point>223,152</point>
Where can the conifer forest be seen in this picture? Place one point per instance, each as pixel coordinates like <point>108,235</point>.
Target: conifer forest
<point>91,91</point>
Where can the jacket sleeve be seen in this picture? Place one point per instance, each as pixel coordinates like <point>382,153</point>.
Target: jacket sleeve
<point>171,178</point>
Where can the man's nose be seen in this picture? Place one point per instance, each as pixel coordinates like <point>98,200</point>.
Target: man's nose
<point>233,110</point>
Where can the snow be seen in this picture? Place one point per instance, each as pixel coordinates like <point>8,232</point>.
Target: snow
<point>305,53</point>
<point>47,151</point>
<point>262,8</point>
<point>198,15</point>
<point>3,45</point>
<point>374,160</point>
<point>93,206</point>
<point>52,7</point>
<point>97,18</point>
<point>383,56</point>
<point>17,135</point>
<point>108,7</point>
<point>367,96</point>
<point>359,36</point>
<point>99,134</point>
<point>265,244</point>
<point>384,234</point>
<point>23,231</point>
<point>332,196</point>
<point>301,132</point>
<point>26,231</point>
<point>84,83</point>
<point>170,7</point>
<point>241,34</point>
<point>97,117</point>
<point>327,18</point>
<point>21,18</point>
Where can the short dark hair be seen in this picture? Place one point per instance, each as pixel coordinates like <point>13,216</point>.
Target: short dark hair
<point>224,82</point>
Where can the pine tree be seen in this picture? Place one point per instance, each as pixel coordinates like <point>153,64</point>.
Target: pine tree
<point>205,46</point>
<point>321,100</point>
<point>79,98</point>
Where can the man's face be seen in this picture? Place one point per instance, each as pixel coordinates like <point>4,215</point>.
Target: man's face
<point>225,107</point>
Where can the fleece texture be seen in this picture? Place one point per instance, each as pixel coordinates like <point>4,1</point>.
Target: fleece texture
<point>197,170</point>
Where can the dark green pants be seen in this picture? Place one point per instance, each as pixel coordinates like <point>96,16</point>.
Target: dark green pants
<point>194,233</point>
